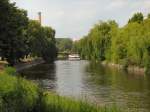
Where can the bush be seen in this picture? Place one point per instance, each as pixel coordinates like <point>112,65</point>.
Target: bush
<point>16,94</point>
<point>10,71</point>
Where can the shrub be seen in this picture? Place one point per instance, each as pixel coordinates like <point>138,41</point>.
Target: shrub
<point>10,71</point>
<point>16,94</point>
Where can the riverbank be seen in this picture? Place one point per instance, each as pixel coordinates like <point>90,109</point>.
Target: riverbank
<point>21,95</point>
<point>24,64</point>
<point>130,69</point>
<point>28,64</point>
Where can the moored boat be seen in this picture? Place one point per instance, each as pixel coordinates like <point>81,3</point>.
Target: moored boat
<point>74,57</point>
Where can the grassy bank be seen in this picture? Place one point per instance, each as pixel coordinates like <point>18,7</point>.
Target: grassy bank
<point>16,94</point>
<point>20,95</point>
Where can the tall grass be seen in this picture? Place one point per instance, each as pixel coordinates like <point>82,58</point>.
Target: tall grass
<point>20,95</point>
<point>10,71</point>
<point>16,94</point>
<point>57,103</point>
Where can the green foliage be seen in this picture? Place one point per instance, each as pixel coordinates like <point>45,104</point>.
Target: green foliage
<point>129,45</point>
<point>13,22</point>
<point>20,37</point>
<point>55,103</point>
<point>41,41</point>
<point>16,94</point>
<point>137,17</point>
<point>75,47</point>
<point>10,71</point>
<point>64,44</point>
<point>148,16</point>
<point>96,44</point>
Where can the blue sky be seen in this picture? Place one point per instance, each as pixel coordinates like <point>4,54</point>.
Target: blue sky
<point>74,18</point>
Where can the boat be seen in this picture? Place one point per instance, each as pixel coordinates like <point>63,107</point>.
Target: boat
<point>74,57</point>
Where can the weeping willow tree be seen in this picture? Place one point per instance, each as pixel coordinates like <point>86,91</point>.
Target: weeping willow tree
<point>129,45</point>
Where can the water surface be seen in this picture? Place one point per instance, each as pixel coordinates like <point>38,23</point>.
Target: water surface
<point>98,84</point>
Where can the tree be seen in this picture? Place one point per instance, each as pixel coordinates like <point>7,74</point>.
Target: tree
<point>20,37</point>
<point>96,44</point>
<point>64,44</point>
<point>41,41</point>
<point>12,30</point>
<point>128,45</point>
<point>137,17</point>
<point>148,16</point>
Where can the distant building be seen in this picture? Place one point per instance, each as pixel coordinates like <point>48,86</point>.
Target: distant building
<point>40,18</point>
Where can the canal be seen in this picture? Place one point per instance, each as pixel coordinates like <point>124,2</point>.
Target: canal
<point>91,81</point>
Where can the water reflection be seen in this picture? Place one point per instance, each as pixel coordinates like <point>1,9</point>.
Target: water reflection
<point>99,84</point>
<point>43,74</point>
<point>69,78</point>
<point>116,86</point>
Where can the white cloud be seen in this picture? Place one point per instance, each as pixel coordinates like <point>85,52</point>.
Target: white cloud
<point>117,4</point>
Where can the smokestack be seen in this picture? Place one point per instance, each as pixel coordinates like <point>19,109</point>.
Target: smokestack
<point>40,18</point>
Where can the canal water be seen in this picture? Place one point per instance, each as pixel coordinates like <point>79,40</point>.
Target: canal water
<point>91,81</point>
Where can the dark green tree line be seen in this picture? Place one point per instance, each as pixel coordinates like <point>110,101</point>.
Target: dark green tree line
<point>18,37</point>
<point>12,31</point>
<point>41,41</point>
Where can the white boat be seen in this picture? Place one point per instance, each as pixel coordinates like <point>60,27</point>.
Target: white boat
<point>74,57</point>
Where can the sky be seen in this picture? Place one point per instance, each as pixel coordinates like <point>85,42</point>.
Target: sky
<point>74,18</point>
